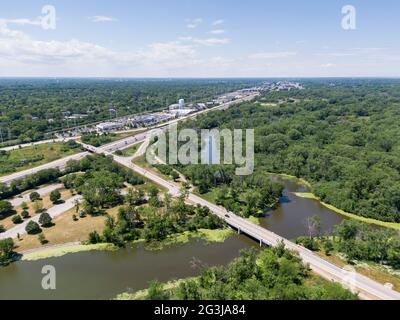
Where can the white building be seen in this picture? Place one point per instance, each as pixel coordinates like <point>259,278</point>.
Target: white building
<point>109,126</point>
<point>181,104</point>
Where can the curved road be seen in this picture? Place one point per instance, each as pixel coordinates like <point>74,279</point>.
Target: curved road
<point>365,287</point>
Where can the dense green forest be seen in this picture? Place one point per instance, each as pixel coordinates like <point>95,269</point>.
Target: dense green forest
<point>355,241</point>
<point>30,108</point>
<point>340,135</point>
<point>270,274</point>
<point>245,196</point>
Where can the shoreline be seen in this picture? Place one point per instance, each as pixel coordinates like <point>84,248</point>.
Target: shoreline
<point>312,196</point>
<point>57,251</point>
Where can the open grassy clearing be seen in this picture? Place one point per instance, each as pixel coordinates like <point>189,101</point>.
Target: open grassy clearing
<point>65,230</point>
<point>30,157</point>
<point>129,152</point>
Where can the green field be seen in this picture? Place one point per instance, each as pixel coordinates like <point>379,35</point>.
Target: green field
<point>131,150</point>
<point>30,157</point>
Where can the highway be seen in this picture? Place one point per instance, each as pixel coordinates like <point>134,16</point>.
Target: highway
<point>114,146</point>
<point>365,287</point>
<point>26,145</point>
<point>60,164</point>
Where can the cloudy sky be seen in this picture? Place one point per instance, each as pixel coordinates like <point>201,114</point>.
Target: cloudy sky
<point>199,38</point>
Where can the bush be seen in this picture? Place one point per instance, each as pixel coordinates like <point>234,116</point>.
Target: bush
<point>45,220</point>
<point>32,228</point>
<point>16,219</point>
<point>42,239</point>
<point>55,196</point>
<point>6,209</point>
<point>6,251</point>
<point>156,291</point>
<point>24,206</point>
<point>308,243</point>
<point>94,238</point>
<point>34,196</point>
<point>2,229</point>
<point>327,245</point>
<point>25,214</point>
<point>38,206</point>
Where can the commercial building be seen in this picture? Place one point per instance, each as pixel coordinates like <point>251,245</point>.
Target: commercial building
<point>109,126</point>
<point>182,104</point>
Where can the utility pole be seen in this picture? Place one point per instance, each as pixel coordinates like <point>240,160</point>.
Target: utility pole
<point>1,136</point>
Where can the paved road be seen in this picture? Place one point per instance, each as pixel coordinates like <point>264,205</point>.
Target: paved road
<point>118,145</point>
<point>42,191</point>
<point>25,145</point>
<point>365,287</point>
<point>53,212</point>
<point>61,163</point>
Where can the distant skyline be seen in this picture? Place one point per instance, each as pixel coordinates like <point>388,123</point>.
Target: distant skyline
<point>199,38</point>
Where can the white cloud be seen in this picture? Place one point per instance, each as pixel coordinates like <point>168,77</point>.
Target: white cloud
<point>102,19</point>
<point>193,24</point>
<point>272,55</point>
<point>212,41</point>
<point>186,38</point>
<point>22,21</point>
<point>209,42</point>
<point>217,31</point>
<point>24,56</point>
<point>327,65</point>
<point>218,22</point>
<point>162,51</point>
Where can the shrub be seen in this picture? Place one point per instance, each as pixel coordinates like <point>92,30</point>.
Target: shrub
<point>42,239</point>
<point>17,219</point>
<point>34,196</point>
<point>32,228</point>
<point>25,214</point>
<point>55,196</point>
<point>94,238</point>
<point>45,219</point>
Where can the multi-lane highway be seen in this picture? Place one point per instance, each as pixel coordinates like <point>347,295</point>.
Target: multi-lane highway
<point>60,164</point>
<point>118,145</point>
<point>367,288</point>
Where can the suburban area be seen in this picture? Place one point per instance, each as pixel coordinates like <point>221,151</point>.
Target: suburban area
<point>215,188</point>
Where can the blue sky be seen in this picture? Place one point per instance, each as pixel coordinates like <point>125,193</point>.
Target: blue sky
<point>200,38</point>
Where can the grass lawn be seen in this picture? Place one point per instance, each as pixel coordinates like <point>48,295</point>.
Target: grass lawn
<point>141,162</point>
<point>30,157</point>
<point>65,230</point>
<point>65,195</point>
<point>131,150</point>
<point>101,140</point>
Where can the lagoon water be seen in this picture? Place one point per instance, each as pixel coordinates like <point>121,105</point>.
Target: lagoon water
<point>103,274</point>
